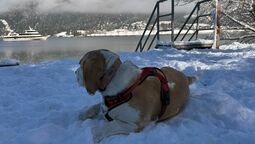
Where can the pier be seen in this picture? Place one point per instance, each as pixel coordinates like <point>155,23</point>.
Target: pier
<point>187,36</point>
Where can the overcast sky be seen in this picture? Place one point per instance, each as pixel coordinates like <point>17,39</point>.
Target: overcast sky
<point>107,6</point>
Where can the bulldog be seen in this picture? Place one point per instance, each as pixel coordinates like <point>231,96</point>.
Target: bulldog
<point>133,97</point>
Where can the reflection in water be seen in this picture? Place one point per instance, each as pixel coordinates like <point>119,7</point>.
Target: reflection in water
<point>38,56</point>
<point>58,48</point>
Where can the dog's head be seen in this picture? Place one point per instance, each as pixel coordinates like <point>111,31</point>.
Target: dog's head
<point>93,67</point>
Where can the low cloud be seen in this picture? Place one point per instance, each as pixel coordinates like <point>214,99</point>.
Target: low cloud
<point>91,6</point>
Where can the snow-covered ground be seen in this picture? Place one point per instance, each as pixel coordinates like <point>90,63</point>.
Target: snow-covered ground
<point>125,32</point>
<point>39,104</point>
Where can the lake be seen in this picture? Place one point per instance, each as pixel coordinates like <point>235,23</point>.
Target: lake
<point>59,48</point>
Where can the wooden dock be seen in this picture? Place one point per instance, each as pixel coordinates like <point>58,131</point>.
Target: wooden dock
<point>188,45</point>
<point>193,45</point>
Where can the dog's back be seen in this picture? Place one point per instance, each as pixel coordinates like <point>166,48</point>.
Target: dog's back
<point>179,91</point>
<point>146,97</point>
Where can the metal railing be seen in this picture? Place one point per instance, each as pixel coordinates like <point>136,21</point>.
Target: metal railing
<point>196,20</point>
<point>154,20</point>
<point>143,42</point>
<point>185,34</point>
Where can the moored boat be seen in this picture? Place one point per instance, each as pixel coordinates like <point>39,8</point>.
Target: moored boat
<point>30,34</point>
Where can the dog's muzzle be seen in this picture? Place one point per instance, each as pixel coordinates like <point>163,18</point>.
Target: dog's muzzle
<point>79,76</point>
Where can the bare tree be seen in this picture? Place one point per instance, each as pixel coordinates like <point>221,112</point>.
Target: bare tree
<point>235,14</point>
<point>241,10</point>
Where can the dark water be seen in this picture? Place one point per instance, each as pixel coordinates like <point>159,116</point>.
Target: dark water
<point>58,48</point>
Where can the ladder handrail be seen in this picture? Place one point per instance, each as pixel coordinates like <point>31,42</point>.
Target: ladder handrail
<point>189,17</point>
<point>148,23</point>
<point>154,23</point>
<point>148,35</point>
<point>142,44</point>
<point>194,21</point>
<point>152,41</point>
<point>187,20</point>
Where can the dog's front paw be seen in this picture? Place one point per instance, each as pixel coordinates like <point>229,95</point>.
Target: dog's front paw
<point>97,134</point>
<point>89,112</point>
<point>86,114</point>
<point>83,116</point>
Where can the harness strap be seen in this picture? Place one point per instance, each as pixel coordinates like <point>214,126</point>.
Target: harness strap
<point>114,101</point>
<point>108,117</point>
<point>165,91</point>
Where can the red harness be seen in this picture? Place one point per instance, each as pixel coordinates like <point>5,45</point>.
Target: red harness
<point>114,101</point>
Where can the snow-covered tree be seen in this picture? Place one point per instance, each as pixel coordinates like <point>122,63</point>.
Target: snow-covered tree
<point>235,13</point>
<point>241,10</point>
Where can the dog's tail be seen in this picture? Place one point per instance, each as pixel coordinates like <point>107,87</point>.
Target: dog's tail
<point>192,79</point>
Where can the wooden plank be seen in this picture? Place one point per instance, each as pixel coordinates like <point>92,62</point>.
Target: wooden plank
<point>188,45</point>
<point>217,25</point>
<point>193,46</point>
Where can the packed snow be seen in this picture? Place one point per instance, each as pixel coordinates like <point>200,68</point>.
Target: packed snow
<point>39,103</point>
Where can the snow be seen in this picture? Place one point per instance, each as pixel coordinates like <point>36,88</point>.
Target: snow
<point>39,103</point>
<point>187,45</point>
<point>202,41</point>
<point>63,34</point>
<point>7,27</point>
<point>125,32</point>
<point>119,32</point>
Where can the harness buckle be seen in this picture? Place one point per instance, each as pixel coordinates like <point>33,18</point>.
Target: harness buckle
<point>165,99</point>
<point>153,71</point>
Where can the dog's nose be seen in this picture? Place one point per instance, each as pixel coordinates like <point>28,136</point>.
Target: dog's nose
<point>79,76</point>
<point>77,72</point>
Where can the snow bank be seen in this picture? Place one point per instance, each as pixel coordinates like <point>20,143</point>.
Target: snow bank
<point>125,32</point>
<point>39,104</point>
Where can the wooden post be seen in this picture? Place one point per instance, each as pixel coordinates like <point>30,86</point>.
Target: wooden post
<point>217,27</point>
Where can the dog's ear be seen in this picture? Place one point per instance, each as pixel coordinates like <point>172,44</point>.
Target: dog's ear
<point>93,66</point>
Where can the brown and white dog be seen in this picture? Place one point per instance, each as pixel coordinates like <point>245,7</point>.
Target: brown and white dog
<point>102,70</point>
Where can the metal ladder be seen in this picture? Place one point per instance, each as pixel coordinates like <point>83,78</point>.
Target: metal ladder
<point>196,20</point>
<point>143,42</point>
<point>155,21</point>
<point>190,41</point>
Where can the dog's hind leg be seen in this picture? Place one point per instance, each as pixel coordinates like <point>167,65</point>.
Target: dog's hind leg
<point>112,128</point>
<point>90,112</point>
<point>192,79</point>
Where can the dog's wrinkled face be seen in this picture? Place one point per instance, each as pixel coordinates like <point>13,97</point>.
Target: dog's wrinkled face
<point>92,68</point>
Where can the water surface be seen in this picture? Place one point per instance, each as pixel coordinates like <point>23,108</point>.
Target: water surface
<point>58,48</point>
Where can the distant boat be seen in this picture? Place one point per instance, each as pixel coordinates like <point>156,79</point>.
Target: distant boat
<point>30,34</point>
